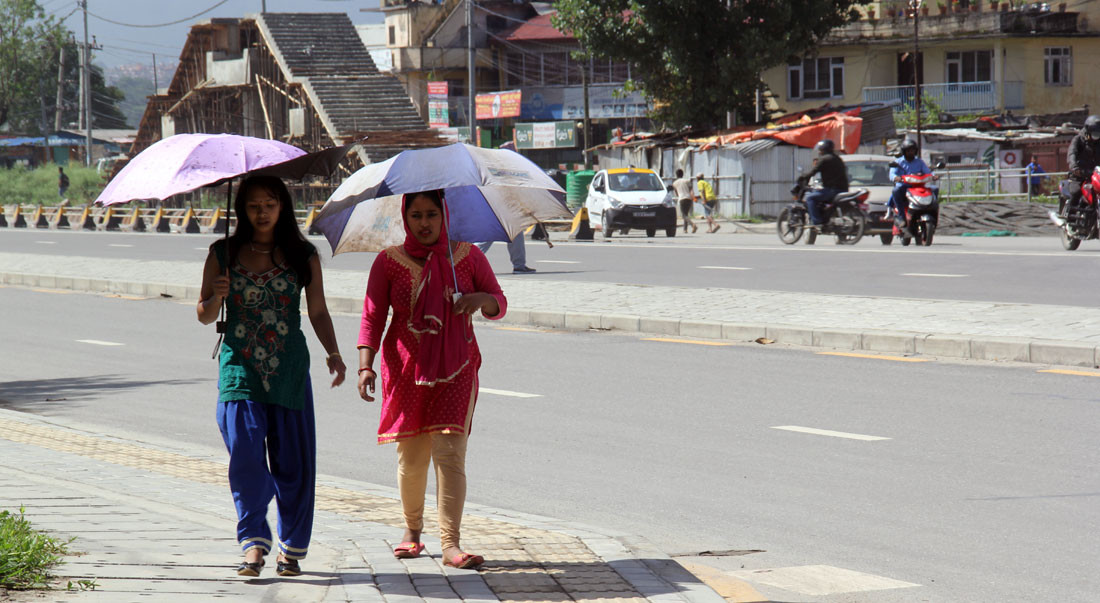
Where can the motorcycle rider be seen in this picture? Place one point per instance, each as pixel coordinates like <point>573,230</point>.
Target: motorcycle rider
<point>1084,151</point>
<point>907,164</point>
<point>834,180</point>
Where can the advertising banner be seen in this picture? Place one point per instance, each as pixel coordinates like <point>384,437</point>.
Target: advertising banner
<point>498,104</point>
<point>546,135</point>
<point>604,102</point>
<point>438,114</point>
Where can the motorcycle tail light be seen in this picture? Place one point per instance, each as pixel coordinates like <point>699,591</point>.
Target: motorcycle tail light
<point>864,196</point>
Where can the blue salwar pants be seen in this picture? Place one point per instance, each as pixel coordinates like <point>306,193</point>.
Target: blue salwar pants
<point>272,453</point>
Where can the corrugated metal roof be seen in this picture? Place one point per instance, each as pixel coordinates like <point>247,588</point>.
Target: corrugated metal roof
<point>753,147</point>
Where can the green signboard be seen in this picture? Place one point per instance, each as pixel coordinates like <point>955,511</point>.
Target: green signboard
<point>546,135</point>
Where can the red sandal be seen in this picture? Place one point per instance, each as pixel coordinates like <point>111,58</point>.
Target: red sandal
<point>408,550</point>
<point>464,561</point>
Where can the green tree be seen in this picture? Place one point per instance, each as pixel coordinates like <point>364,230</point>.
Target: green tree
<point>929,113</point>
<point>28,36</point>
<point>698,59</point>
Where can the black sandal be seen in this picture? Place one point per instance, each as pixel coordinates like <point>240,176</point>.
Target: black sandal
<point>288,567</point>
<point>250,569</point>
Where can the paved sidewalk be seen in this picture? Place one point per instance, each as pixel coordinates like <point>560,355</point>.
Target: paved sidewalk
<point>1043,334</point>
<point>157,524</point>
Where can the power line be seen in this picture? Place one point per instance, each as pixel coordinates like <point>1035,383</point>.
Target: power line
<point>184,20</point>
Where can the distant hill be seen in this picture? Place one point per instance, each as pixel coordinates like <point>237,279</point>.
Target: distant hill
<point>136,82</point>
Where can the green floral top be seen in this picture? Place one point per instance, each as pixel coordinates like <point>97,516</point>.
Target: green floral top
<point>264,357</point>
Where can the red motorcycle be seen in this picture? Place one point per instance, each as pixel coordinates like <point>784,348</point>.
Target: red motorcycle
<point>1078,220</point>
<point>923,211</point>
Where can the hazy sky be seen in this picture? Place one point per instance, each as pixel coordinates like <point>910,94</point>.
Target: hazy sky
<point>124,44</point>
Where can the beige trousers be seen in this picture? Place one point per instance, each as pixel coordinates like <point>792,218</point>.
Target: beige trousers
<point>448,452</point>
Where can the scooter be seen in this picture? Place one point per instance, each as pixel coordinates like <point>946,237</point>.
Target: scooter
<point>923,211</point>
<point>1078,221</point>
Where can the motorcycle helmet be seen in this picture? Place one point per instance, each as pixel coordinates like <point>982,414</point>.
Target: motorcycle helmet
<point>1092,126</point>
<point>824,147</point>
<point>908,145</point>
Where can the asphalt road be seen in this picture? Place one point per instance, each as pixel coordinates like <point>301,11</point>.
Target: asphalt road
<point>1020,270</point>
<point>985,490</point>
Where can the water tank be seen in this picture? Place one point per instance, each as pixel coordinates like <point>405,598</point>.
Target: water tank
<point>576,187</point>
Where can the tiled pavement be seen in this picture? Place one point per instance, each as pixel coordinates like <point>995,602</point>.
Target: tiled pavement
<point>156,524</point>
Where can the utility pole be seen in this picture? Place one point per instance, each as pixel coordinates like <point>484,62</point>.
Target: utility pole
<point>470,59</point>
<point>156,84</point>
<point>914,10</point>
<point>87,89</point>
<point>60,89</point>
<point>584,85</point>
<point>263,6</point>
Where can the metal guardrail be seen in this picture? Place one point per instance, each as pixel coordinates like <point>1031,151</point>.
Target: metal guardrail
<point>126,218</point>
<point>996,183</point>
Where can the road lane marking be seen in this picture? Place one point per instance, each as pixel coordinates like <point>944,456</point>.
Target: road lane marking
<point>723,268</point>
<point>119,245</point>
<point>694,341</point>
<point>504,392</point>
<point>1068,372</point>
<point>98,342</point>
<point>873,356</point>
<point>819,249</point>
<point>820,580</point>
<point>933,275</point>
<point>557,262</point>
<point>828,432</point>
<point>730,588</point>
<point>46,242</point>
<point>58,291</point>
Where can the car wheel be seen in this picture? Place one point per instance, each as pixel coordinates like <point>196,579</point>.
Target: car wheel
<point>670,232</point>
<point>651,232</point>
<point>886,238</point>
<point>605,225</point>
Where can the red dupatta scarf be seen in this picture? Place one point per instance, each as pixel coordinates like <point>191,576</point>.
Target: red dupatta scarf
<point>443,348</point>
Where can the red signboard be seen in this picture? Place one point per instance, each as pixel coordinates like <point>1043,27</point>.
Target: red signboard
<point>437,88</point>
<point>498,104</point>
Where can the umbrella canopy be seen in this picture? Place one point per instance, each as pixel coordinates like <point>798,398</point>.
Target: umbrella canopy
<point>492,195</point>
<point>185,162</point>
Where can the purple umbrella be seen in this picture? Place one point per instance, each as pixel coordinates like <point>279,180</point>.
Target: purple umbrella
<point>185,162</point>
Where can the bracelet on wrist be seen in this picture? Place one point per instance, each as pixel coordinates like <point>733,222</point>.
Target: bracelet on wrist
<point>365,368</point>
<point>333,355</point>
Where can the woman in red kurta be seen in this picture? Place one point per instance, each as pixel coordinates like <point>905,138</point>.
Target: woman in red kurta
<point>430,361</point>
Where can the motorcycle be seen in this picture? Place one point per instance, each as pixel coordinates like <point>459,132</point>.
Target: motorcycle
<point>845,217</point>
<point>922,213</point>
<point>1078,221</point>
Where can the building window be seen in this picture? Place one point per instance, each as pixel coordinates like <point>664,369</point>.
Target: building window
<point>393,35</point>
<point>969,66</point>
<point>1058,66</point>
<point>821,77</point>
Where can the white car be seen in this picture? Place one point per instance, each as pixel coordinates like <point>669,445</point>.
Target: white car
<point>625,198</point>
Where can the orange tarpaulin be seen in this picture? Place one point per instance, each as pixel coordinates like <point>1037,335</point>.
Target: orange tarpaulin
<point>843,130</point>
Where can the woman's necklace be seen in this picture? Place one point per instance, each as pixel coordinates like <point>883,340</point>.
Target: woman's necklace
<point>253,248</point>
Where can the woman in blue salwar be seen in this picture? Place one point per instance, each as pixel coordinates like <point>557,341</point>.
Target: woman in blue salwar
<point>265,399</point>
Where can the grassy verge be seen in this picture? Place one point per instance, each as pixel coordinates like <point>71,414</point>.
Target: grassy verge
<point>39,186</point>
<point>26,555</point>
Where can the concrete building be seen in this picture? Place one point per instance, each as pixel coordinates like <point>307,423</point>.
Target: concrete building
<point>975,57</point>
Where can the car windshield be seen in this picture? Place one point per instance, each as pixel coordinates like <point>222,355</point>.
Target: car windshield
<point>869,173</point>
<point>634,181</point>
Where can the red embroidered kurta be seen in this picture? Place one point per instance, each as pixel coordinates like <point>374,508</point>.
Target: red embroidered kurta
<point>408,409</point>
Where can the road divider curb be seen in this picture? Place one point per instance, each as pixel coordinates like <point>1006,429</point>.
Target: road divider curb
<point>1001,349</point>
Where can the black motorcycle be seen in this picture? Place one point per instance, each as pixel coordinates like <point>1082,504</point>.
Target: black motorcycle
<point>844,217</point>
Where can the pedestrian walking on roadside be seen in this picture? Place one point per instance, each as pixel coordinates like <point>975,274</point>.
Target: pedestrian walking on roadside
<point>517,252</point>
<point>685,197</point>
<point>265,400</point>
<point>1034,180</point>
<point>710,202</point>
<point>430,362</point>
<point>62,182</point>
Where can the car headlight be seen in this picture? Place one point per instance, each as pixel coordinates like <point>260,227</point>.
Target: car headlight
<point>616,204</point>
<point>669,201</point>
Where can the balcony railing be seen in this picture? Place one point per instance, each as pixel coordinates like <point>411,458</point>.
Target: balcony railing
<point>961,98</point>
